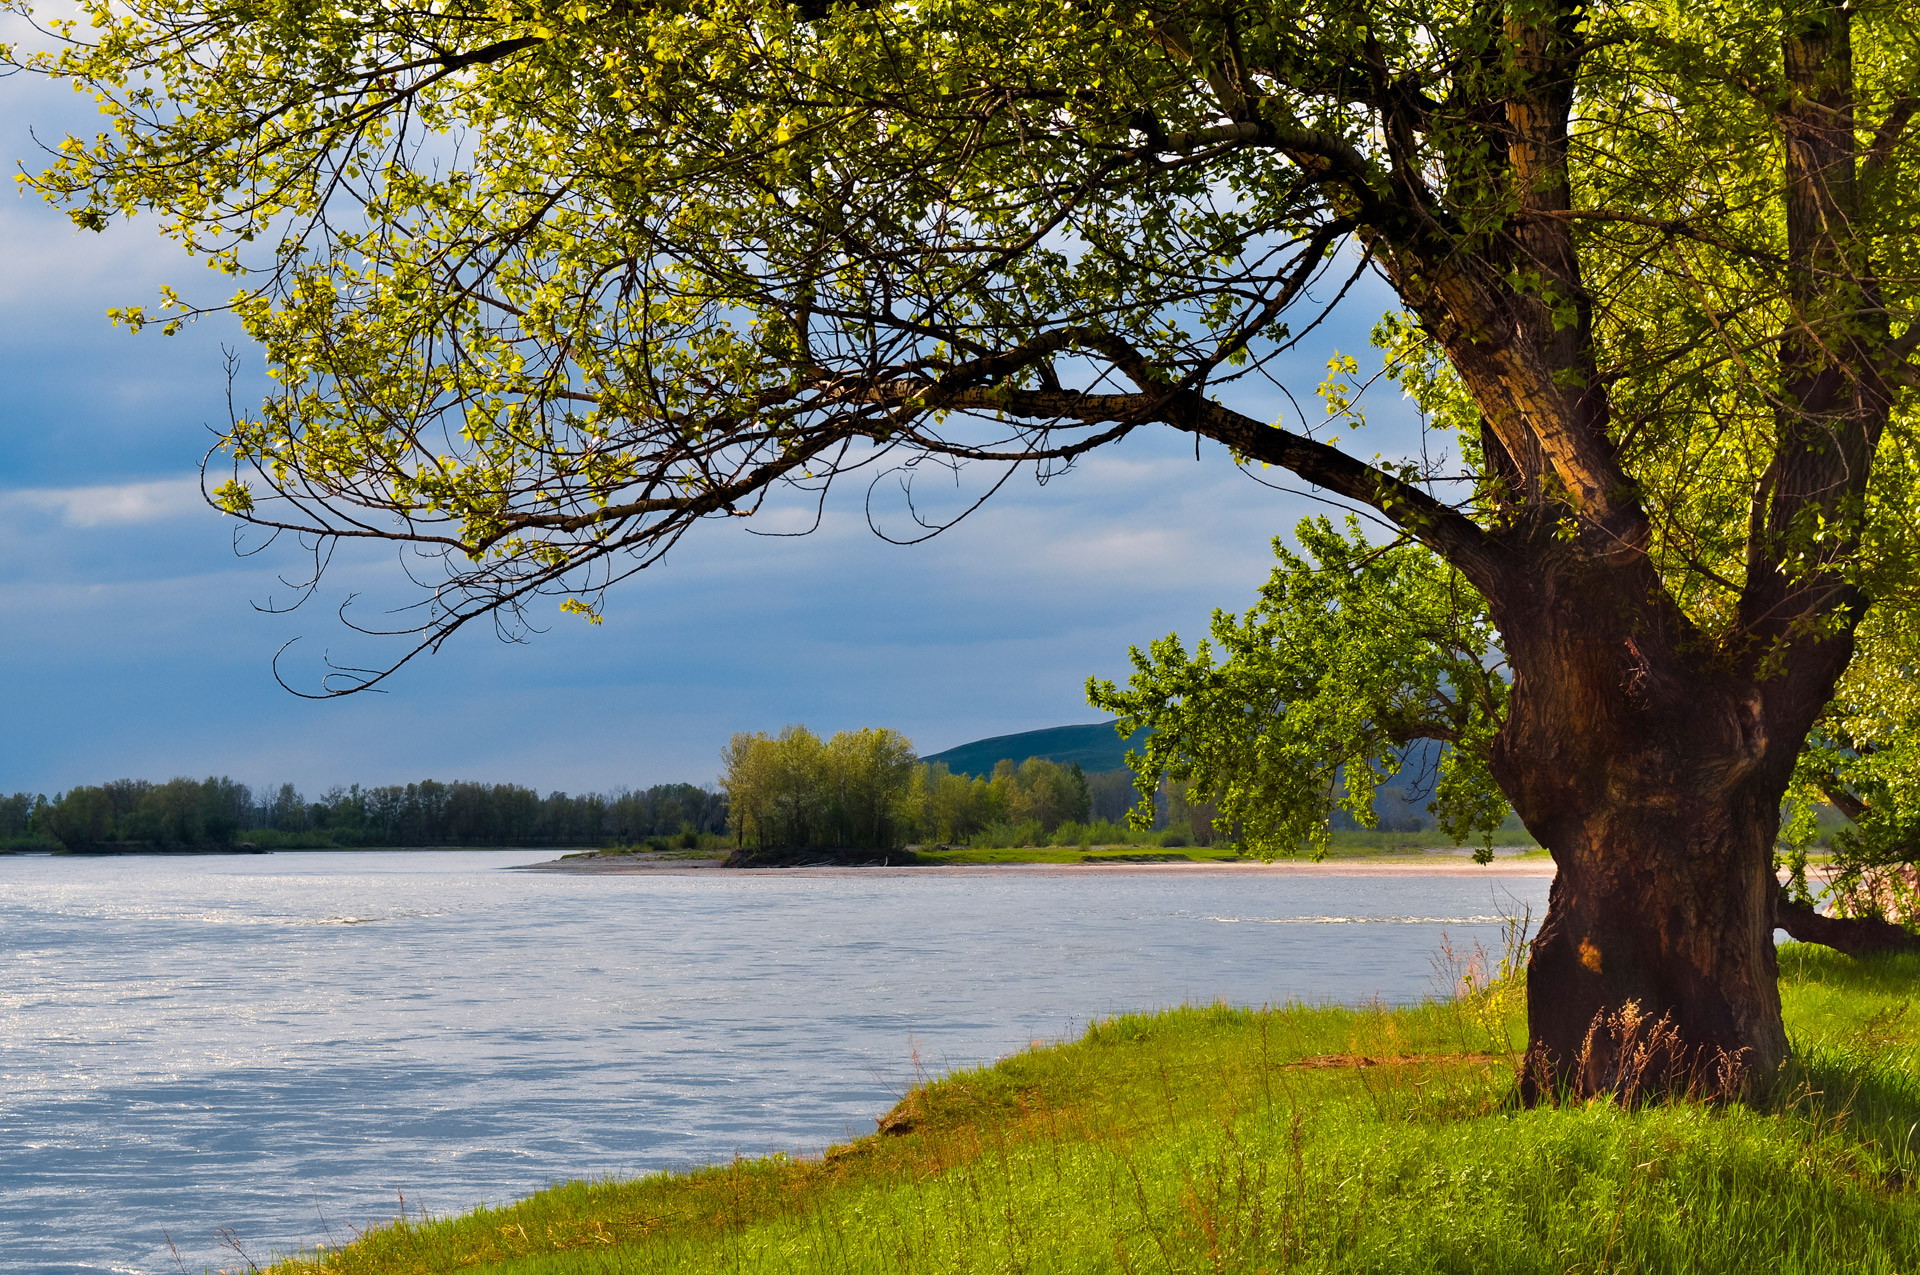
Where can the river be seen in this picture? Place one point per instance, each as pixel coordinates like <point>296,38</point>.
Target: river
<point>280,1048</point>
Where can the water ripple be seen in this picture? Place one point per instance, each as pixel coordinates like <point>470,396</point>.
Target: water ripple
<point>283,1043</point>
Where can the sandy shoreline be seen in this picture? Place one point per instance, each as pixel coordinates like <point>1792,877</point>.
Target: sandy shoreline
<point>1438,866</point>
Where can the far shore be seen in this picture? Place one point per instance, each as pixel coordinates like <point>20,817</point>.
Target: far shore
<point>1433,864</point>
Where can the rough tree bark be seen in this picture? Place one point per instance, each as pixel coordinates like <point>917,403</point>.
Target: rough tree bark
<point>1656,781</point>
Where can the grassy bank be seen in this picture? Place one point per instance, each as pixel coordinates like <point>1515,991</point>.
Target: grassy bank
<point>1297,1139</point>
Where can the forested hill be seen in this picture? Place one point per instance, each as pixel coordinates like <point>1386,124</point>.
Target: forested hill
<point>1096,747</point>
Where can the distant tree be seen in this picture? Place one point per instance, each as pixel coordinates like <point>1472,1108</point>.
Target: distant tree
<point>384,805</point>
<point>342,811</point>
<point>180,812</point>
<point>1110,793</point>
<point>520,813</point>
<point>870,772</point>
<point>124,796</point>
<point>79,817</point>
<point>285,811</point>
<point>16,816</point>
<point>169,814</point>
<point>429,805</point>
<point>225,808</point>
<point>463,812</point>
<point>954,807</point>
<point>665,810</point>
<point>793,790</point>
<point>1043,792</point>
<point>776,787</point>
<point>1202,819</point>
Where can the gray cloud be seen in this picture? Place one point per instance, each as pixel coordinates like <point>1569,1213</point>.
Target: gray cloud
<point>109,504</point>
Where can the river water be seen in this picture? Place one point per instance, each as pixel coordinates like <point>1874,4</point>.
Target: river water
<point>279,1048</point>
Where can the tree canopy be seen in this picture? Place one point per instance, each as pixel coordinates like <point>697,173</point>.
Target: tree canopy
<point>545,284</point>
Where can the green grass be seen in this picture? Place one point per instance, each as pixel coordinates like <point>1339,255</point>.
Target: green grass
<point>1297,1139</point>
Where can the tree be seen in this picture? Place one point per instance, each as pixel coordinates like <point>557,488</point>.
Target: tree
<point>79,817</point>
<point>179,813</point>
<point>16,816</point>
<point>1043,792</point>
<point>284,810</point>
<point>776,787</point>
<point>1354,652</point>
<point>954,807</point>
<point>870,772</point>
<point>793,791</point>
<point>552,283</point>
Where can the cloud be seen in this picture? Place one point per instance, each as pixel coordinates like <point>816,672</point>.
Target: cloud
<point>111,504</point>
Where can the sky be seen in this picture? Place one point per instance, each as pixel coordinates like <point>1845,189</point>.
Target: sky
<point>136,644</point>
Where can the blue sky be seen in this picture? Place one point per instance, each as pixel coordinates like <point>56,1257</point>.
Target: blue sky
<point>133,645</point>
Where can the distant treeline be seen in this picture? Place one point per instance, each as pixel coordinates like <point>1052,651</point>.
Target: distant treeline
<point>860,789</point>
<point>865,790</point>
<point>187,813</point>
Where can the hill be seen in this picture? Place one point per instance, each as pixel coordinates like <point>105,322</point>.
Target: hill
<point>1095,746</point>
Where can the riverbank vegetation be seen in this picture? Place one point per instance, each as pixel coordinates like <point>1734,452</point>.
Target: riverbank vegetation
<point>865,790</point>
<point>1302,1138</point>
<point>861,789</point>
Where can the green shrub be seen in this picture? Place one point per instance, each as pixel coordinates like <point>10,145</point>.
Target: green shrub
<point>1073,834</point>
<point>995,836</point>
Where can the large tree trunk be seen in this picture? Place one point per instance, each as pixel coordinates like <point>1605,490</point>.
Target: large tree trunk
<point>1654,970</point>
<point>1655,781</point>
